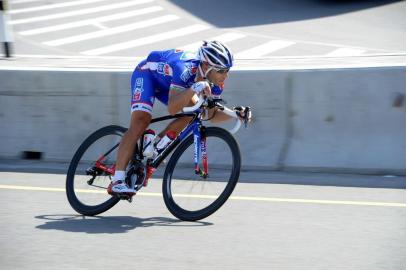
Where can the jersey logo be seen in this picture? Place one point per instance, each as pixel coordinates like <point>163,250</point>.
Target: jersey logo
<point>137,95</point>
<point>188,55</point>
<point>139,82</point>
<point>139,88</point>
<point>188,73</point>
<point>164,68</point>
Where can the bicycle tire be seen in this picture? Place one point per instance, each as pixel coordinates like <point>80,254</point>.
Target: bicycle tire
<point>187,215</point>
<point>76,204</point>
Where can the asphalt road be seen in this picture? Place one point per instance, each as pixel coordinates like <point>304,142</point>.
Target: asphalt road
<point>274,220</point>
<point>263,226</point>
<point>255,30</point>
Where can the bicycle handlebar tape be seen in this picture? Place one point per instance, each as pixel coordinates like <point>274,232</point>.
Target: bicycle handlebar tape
<point>5,33</point>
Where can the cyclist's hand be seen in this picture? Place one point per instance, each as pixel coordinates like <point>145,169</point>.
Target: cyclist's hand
<point>244,113</point>
<point>202,87</point>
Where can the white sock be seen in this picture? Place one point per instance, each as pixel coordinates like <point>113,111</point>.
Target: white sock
<point>119,175</point>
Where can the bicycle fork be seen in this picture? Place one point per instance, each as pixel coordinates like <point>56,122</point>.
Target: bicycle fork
<point>200,150</point>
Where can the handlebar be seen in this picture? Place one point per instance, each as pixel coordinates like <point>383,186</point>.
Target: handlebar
<point>208,102</point>
<point>194,107</point>
<point>237,122</point>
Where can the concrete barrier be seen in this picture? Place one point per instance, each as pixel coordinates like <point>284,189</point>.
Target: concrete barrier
<point>348,119</point>
<point>342,120</point>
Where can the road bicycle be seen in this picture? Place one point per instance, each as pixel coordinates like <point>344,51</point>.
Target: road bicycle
<point>195,184</point>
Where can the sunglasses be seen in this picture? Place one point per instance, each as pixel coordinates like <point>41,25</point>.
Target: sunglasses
<point>221,70</point>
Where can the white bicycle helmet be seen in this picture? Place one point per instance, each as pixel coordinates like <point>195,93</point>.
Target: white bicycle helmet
<point>216,54</point>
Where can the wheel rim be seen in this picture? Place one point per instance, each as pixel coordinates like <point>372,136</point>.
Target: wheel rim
<point>193,193</point>
<point>94,194</point>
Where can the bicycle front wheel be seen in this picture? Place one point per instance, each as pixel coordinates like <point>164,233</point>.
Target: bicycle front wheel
<point>90,172</point>
<point>190,196</point>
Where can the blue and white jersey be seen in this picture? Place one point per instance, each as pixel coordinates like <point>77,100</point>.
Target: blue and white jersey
<point>163,71</point>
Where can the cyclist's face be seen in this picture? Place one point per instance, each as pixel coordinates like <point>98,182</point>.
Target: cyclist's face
<point>217,76</point>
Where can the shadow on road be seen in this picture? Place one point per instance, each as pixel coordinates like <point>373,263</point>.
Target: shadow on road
<point>258,12</point>
<point>117,224</point>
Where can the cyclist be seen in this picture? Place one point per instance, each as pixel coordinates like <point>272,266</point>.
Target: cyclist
<point>176,78</point>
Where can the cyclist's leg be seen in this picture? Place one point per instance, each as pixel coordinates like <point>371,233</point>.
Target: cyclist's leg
<point>141,108</point>
<point>139,122</point>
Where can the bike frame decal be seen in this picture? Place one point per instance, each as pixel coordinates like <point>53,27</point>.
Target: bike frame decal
<point>196,140</point>
<point>203,146</point>
<point>183,134</point>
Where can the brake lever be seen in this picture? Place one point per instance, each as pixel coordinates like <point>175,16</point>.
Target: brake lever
<point>247,114</point>
<point>220,101</point>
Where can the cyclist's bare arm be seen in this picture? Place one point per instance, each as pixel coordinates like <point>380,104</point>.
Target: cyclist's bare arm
<point>180,99</point>
<point>177,101</point>
<point>243,113</point>
<point>217,116</point>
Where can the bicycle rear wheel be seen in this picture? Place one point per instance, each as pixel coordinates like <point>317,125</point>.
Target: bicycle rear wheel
<point>190,196</point>
<point>90,172</point>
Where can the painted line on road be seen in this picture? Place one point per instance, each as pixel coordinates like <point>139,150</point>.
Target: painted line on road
<point>23,1</point>
<point>263,49</point>
<point>112,31</point>
<point>227,37</point>
<point>337,45</point>
<point>30,188</point>
<point>346,52</point>
<point>76,24</point>
<point>237,198</point>
<point>80,12</point>
<point>192,29</point>
<point>359,203</point>
<point>52,6</point>
<point>103,68</point>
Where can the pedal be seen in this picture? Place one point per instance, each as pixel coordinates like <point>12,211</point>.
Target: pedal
<point>125,197</point>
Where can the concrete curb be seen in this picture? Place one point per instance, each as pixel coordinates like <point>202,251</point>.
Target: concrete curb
<point>329,120</point>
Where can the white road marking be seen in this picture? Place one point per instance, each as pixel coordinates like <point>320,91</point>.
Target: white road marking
<point>237,198</point>
<point>264,49</point>
<point>52,6</point>
<point>148,40</point>
<point>23,1</point>
<point>112,31</point>
<point>346,52</point>
<point>103,68</point>
<point>100,26</point>
<point>227,37</point>
<point>80,12</point>
<point>75,24</point>
<point>74,56</point>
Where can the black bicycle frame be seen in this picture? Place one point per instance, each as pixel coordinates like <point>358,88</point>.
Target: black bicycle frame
<point>138,155</point>
<point>187,130</point>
